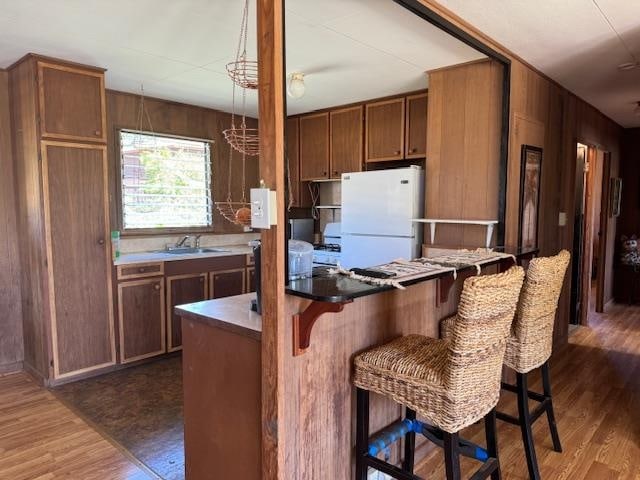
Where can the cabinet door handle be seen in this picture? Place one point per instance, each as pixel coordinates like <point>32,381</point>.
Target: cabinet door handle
<point>156,286</point>
<point>101,241</point>
<point>397,152</point>
<point>201,279</point>
<point>141,269</point>
<point>324,174</point>
<point>414,150</point>
<point>97,132</point>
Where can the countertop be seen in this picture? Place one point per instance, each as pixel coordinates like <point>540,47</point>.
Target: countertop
<point>338,288</point>
<point>229,313</point>
<point>146,257</point>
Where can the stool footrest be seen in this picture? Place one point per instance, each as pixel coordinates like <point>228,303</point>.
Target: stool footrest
<point>399,429</point>
<point>538,397</point>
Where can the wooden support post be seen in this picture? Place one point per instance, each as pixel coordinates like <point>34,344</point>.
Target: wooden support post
<point>272,112</point>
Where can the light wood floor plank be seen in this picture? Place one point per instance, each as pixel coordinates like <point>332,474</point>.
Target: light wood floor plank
<point>41,439</point>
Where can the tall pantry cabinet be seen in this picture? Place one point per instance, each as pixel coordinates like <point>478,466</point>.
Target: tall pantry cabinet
<point>59,128</point>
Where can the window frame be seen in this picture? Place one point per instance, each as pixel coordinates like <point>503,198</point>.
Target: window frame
<point>143,232</point>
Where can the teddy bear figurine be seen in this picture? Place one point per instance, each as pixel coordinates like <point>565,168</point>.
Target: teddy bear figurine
<point>629,253</point>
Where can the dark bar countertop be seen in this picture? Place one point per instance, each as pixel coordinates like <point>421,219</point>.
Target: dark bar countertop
<point>323,287</point>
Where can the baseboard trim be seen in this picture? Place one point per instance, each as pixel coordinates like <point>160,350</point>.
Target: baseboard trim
<point>9,368</point>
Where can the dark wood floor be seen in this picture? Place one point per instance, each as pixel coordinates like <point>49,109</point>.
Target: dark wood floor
<point>596,382</point>
<point>140,408</point>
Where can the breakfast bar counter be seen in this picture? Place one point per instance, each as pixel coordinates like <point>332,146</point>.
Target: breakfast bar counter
<point>222,370</point>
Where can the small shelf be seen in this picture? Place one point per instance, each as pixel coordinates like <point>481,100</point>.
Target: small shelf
<point>329,207</point>
<point>489,224</point>
<point>325,180</point>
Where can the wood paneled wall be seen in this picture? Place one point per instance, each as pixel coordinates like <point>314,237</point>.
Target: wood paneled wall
<point>629,220</point>
<point>546,115</point>
<point>463,149</point>
<point>11,341</point>
<point>186,120</point>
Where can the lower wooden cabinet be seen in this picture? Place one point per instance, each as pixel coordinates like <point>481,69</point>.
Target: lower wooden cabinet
<point>182,289</point>
<point>141,317</point>
<point>251,279</point>
<point>227,283</point>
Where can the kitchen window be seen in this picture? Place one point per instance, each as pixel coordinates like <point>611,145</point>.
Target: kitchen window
<point>165,182</point>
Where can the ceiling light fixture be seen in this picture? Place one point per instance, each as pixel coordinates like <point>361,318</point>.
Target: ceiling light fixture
<point>636,111</point>
<point>296,87</point>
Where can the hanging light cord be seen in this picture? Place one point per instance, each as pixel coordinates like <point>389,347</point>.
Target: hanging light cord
<point>624,44</point>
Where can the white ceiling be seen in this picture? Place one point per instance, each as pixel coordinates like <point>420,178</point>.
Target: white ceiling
<point>572,42</point>
<point>350,49</point>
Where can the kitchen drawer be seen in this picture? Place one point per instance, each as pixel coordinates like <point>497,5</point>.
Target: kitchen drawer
<point>140,270</point>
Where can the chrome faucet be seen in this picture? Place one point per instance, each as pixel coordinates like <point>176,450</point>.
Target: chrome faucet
<point>196,242</point>
<point>182,241</point>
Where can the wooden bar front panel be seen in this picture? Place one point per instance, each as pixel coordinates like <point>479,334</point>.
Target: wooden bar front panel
<point>76,220</point>
<point>141,319</point>
<point>222,405</point>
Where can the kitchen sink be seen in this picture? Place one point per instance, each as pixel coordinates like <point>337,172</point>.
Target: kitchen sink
<point>188,250</point>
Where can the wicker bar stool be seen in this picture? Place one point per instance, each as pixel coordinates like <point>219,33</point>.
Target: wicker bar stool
<point>529,347</point>
<point>450,383</point>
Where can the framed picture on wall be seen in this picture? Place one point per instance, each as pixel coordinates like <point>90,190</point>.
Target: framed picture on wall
<point>530,172</point>
<point>615,198</point>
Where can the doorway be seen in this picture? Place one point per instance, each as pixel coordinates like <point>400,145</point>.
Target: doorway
<point>590,228</point>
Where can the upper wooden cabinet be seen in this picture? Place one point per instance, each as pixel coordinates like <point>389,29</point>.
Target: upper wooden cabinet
<point>384,139</point>
<point>314,146</point>
<point>72,102</point>
<point>292,152</point>
<point>346,141</point>
<point>416,126</point>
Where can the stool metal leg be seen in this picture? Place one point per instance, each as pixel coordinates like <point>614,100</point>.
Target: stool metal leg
<point>452,456</point>
<point>492,441</point>
<point>546,385</point>
<point>409,444</point>
<point>525,426</point>
<point>362,432</point>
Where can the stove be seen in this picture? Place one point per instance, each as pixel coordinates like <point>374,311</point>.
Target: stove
<point>328,252</point>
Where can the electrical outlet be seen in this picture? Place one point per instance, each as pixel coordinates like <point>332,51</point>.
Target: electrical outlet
<point>263,208</point>
<point>562,219</point>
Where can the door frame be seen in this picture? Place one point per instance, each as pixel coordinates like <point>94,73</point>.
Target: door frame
<point>584,234</point>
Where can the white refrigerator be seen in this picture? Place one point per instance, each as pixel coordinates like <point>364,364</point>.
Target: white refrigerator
<point>377,211</point>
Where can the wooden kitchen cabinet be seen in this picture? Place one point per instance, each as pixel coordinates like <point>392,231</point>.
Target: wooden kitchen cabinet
<point>63,201</point>
<point>72,102</point>
<point>226,283</point>
<point>182,289</point>
<point>345,145</point>
<point>292,152</point>
<point>314,146</point>
<point>141,318</point>
<point>384,137</point>
<point>251,280</point>
<point>416,126</point>
<point>77,228</point>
